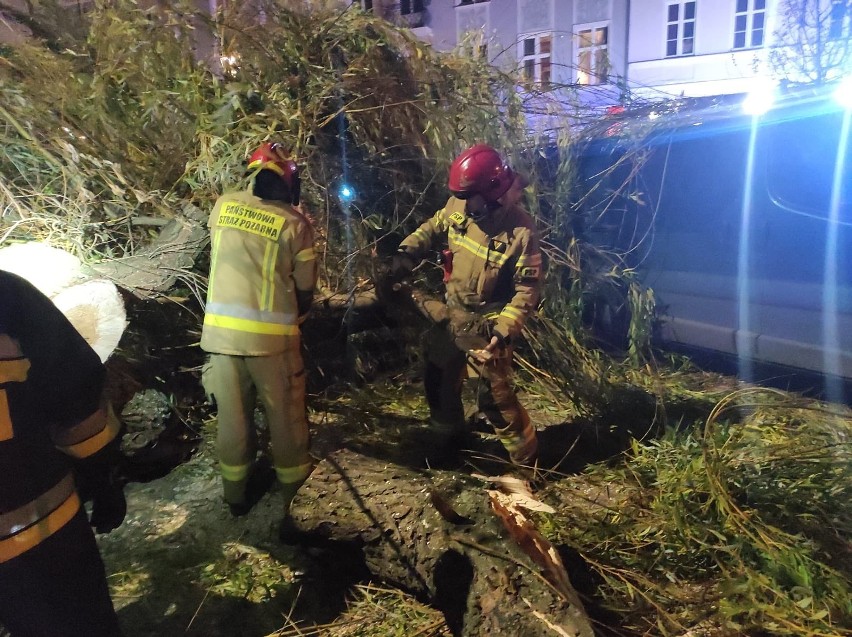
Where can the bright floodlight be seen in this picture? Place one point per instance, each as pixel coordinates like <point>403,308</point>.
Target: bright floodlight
<point>759,99</point>
<point>843,93</point>
<point>347,193</point>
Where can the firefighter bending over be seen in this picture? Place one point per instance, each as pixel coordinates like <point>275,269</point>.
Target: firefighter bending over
<point>496,274</point>
<point>55,430</point>
<point>262,277</point>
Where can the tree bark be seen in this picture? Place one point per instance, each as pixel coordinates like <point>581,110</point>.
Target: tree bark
<point>155,268</point>
<point>435,534</point>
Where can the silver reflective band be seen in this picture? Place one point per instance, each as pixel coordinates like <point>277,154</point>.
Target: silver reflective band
<point>16,521</point>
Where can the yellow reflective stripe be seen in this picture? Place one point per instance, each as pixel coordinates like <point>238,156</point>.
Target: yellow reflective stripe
<point>97,442</point>
<point>12,547</point>
<point>268,165</point>
<point>289,475</point>
<point>529,260</point>
<point>14,371</point>
<point>305,255</point>
<point>476,249</point>
<point>247,325</point>
<point>512,312</point>
<point>214,260</point>
<point>6,432</point>
<point>267,289</point>
<point>420,235</point>
<point>234,473</point>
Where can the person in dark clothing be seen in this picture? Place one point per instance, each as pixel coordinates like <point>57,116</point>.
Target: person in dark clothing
<point>57,435</point>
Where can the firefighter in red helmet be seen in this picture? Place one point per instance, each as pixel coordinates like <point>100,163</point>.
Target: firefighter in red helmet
<point>58,447</point>
<point>496,273</point>
<point>262,277</point>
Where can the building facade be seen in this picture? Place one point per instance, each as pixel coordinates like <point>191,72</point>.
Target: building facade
<point>644,49</point>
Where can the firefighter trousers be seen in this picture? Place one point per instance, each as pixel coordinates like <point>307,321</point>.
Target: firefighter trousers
<point>446,369</point>
<point>58,588</point>
<point>278,381</point>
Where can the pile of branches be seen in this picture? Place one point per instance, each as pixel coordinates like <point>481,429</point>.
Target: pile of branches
<point>141,110</point>
<point>738,525</point>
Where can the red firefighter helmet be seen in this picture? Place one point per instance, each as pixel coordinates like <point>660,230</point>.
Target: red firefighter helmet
<point>480,171</point>
<point>273,156</point>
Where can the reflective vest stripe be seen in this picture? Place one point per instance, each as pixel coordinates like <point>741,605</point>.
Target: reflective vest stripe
<point>14,545</point>
<point>289,475</point>
<point>241,312</point>
<point>98,440</point>
<point>234,473</point>
<point>513,313</point>
<point>248,325</point>
<point>267,287</point>
<point>529,260</point>
<point>6,431</point>
<point>421,235</point>
<point>11,371</point>
<point>476,249</point>
<point>24,516</point>
<point>14,370</point>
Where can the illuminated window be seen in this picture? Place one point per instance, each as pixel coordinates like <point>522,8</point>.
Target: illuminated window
<point>680,29</point>
<point>749,23</point>
<point>535,57</point>
<point>592,60</point>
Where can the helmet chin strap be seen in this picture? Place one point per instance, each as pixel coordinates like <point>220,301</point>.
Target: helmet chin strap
<point>485,211</point>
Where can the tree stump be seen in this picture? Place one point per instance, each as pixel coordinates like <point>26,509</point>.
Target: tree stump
<point>436,535</point>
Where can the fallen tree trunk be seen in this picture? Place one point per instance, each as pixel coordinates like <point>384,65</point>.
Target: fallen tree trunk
<point>436,535</point>
<point>155,268</point>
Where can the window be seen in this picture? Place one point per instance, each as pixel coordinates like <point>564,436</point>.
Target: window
<point>535,57</point>
<point>838,26</point>
<point>802,157</point>
<point>461,2</point>
<point>366,5</point>
<point>749,23</point>
<point>407,7</point>
<point>592,60</point>
<point>680,29</point>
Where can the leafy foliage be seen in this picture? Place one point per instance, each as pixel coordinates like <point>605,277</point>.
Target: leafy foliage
<point>742,522</point>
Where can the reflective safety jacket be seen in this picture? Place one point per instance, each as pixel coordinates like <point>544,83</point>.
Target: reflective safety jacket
<point>51,415</point>
<point>496,261</point>
<point>261,257</point>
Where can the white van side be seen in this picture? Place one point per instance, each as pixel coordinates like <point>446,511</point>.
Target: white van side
<point>742,226</point>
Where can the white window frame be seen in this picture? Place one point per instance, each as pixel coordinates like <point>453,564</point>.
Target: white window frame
<point>537,57</point>
<point>595,76</point>
<point>750,14</point>
<point>681,24</point>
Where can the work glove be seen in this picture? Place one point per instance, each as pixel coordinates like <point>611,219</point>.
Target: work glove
<point>389,284</point>
<point>100,482</point>
<point>402,264</point>
<point>109,507</point>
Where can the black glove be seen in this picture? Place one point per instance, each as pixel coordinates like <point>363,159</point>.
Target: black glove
<point>108,507</point>
<point>502,341</point>
<point>389,282</point>
<point>99,480</point>
<point>402,264</point>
